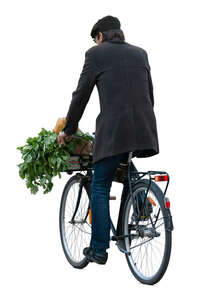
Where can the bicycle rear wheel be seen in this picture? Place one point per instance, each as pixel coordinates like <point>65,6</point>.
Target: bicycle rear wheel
<point>151,240</point>
<point>75,229</point>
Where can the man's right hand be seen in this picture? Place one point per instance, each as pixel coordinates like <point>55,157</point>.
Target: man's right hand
<point>61,136</point>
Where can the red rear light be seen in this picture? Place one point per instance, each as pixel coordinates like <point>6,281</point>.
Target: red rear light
<point>161,178</point>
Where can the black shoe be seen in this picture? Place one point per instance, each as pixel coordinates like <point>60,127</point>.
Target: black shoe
<point>99,258</point>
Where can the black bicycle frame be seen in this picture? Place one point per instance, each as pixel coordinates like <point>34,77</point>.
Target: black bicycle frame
<point>133,176</point>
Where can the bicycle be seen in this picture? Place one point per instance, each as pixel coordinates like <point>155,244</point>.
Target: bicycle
<point>144,222</point>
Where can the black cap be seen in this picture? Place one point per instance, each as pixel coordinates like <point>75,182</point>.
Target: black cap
<point>106,23</point>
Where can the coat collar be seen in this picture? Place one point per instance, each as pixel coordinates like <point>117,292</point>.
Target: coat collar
<point>115,40</point>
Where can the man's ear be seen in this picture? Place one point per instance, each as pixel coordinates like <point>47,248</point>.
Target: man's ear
<point>100,36</point>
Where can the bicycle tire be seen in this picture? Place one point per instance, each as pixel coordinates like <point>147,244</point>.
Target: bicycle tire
<point>84,261</point>
<point>155,189</point>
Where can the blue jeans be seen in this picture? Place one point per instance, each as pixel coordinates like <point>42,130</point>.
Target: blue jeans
<point>104,172</point>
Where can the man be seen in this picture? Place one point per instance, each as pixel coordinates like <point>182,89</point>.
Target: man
<point>125,123</point>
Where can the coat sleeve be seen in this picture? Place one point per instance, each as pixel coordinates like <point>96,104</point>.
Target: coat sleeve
<point>151,91</point>
<point>81,95</point>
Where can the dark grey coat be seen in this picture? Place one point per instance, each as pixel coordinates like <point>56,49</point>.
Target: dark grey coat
<point>126,121</point>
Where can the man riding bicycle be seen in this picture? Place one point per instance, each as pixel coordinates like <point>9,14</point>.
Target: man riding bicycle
<point>126,121</point>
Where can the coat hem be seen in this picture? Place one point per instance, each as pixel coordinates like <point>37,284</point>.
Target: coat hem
<point>137,152</point>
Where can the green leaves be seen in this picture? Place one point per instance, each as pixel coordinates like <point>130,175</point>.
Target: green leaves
<point>43,159</point>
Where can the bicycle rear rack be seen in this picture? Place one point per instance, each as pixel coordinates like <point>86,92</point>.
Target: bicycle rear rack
<point>134,176</point>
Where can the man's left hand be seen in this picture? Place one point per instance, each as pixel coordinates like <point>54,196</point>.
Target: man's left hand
<point>61,136</point>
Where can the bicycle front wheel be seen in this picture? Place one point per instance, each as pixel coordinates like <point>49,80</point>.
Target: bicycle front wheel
<point>149,244</point>
<point>75,229</point>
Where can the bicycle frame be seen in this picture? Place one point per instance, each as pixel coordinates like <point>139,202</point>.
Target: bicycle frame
<point>132,176</point>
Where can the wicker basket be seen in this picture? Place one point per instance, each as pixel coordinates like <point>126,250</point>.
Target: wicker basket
<point>83,148</point>
<point>77,163</point>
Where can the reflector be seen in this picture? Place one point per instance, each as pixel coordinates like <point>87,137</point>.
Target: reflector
<point>89,216</point>
<point>151,201</point>
<point>167,202</point>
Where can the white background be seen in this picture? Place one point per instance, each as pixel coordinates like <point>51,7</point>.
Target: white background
<point>42,47</point>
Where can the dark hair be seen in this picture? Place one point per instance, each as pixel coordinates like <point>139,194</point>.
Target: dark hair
<point>110,34</point>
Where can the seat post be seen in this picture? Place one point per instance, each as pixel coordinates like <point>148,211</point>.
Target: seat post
<point>129,156</point>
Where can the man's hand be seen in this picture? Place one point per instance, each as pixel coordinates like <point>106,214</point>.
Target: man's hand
<point>61,136</point>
